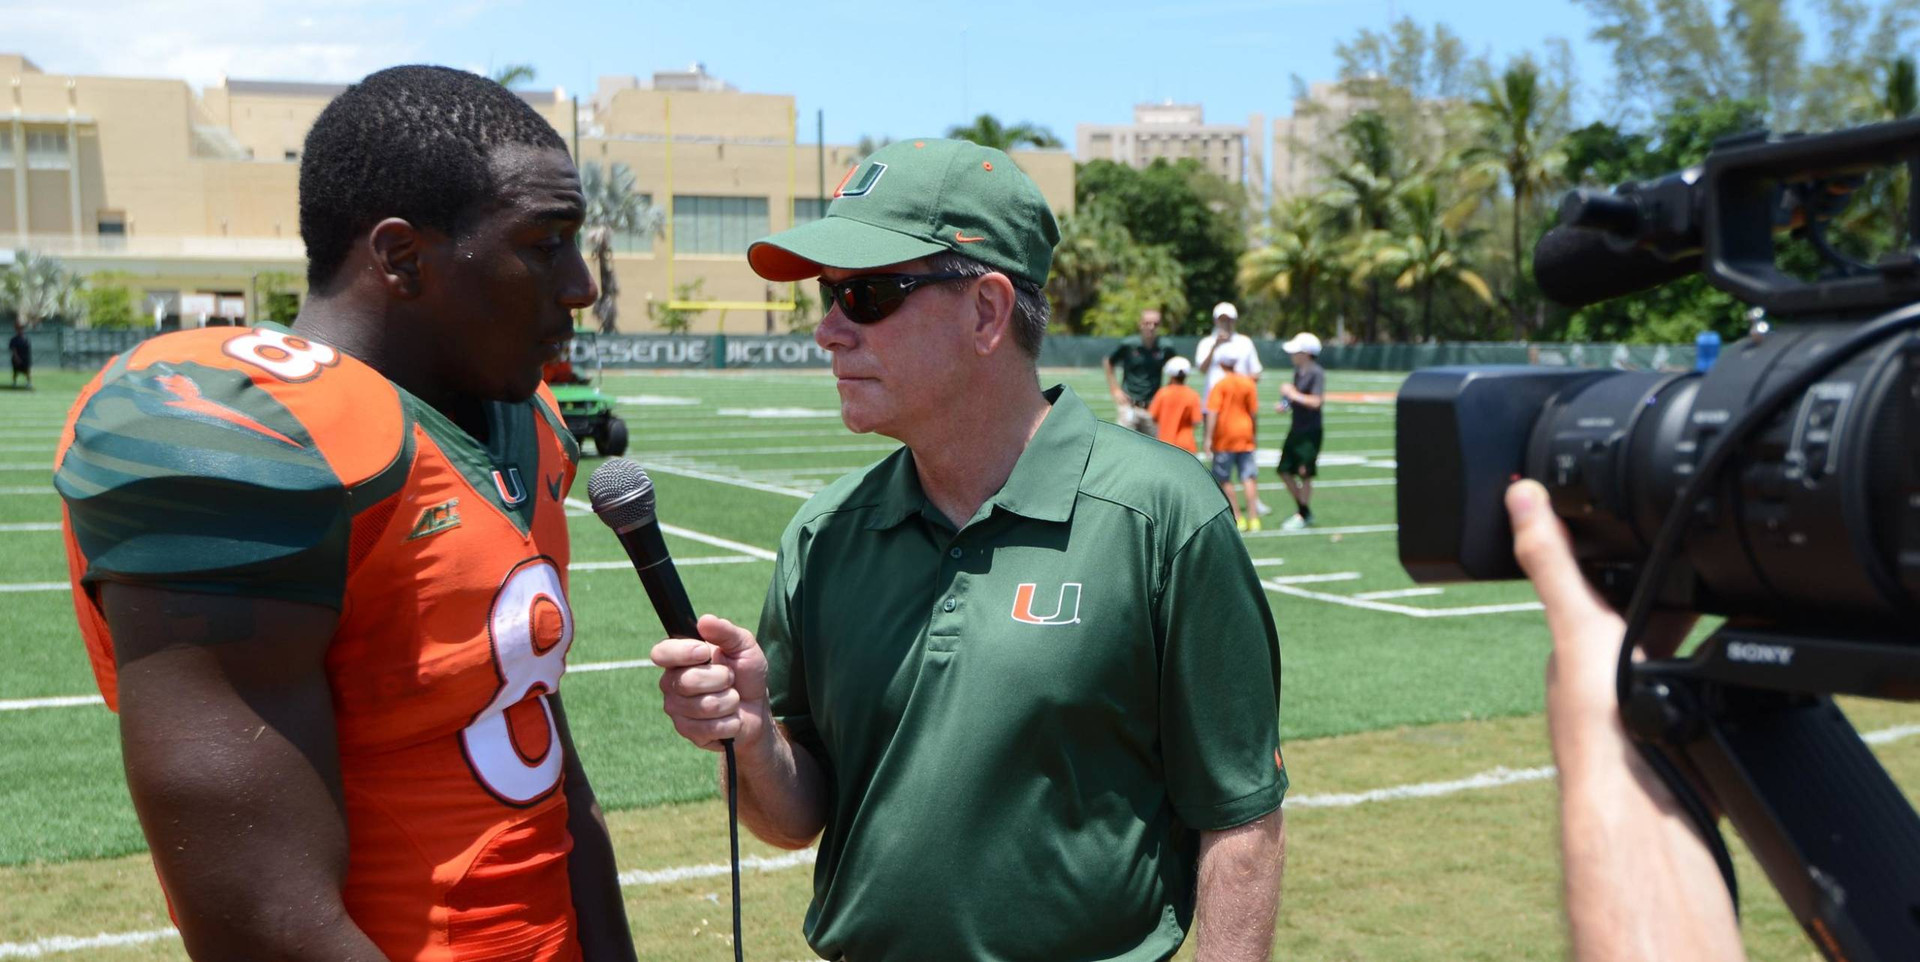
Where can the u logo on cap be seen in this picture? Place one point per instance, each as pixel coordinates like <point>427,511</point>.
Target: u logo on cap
<point>866,183</point>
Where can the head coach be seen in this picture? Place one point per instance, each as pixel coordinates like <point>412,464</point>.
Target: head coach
<point>1019,677</point>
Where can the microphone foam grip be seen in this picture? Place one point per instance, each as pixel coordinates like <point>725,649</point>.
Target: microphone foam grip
<point>621,493</point>
<point>1576,267</point>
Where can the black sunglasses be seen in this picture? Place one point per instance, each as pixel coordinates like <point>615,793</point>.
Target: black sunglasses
<point>868,299</point>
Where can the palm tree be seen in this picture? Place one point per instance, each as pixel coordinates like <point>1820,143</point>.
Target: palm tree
<point>987,131</point>
<point>1900,94</point>
<point>1364,182</point>
<point>514,73</point>
<point>1298,251</point>
<point>37,287</point>
<point>613,207</point>
<point>1426,249</point>
<point>1516,111</point>
<point>1092,246</point>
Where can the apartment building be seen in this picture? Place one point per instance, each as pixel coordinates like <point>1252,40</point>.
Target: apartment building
<point>1172,132</point>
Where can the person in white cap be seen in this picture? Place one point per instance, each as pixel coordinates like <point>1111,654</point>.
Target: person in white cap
<point>1224,350</point>
<point>1175,409</point>
<point>1300,453</point>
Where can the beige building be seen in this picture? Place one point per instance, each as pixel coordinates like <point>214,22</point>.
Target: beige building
<point>1312,131</point>
<point>190,198</point>
<point>1173,131</point>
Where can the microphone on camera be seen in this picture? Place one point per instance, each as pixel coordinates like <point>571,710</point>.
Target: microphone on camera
<point>1577,266</point>
<point>622,496</point>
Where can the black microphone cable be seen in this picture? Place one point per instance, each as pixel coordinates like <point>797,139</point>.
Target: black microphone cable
<point>622,496</point>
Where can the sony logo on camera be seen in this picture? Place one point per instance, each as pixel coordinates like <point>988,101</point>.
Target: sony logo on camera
<point>1759,654</point>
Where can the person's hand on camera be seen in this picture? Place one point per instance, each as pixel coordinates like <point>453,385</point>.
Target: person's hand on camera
<point>715,688</point>
<point>1640,882</point>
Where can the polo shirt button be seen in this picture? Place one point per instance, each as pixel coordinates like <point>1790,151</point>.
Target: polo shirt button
<point>950,605</point>
<point>955,553</point>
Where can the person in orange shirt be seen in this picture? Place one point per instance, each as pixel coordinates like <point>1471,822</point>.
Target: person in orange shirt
<point>1175,409</point>
<point>1232,407</point>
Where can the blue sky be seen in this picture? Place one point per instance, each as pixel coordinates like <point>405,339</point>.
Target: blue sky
<point>897,69</point>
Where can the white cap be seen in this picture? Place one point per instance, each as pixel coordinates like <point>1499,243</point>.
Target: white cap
<point>1226,309</point>
<point>1302,343</point>
<point>1176,366</point>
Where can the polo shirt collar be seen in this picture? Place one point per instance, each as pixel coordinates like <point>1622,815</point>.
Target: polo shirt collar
<point>1045,481</point>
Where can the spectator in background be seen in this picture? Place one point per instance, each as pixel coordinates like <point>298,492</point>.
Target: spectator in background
<point>1225,351</point>
<point>1141,359</point>
<point>22,351</point>
<point>1232,407</point>
<point>1176,407</point>
<point>1300,453</point>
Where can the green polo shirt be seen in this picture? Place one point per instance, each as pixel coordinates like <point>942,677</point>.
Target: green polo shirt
<point>1140,366</point>
<point>1024,725</point>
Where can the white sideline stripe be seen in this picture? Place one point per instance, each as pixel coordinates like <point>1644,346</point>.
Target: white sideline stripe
<point>1399,593</point>
<point>32,526</point>
<point>1309,532</point>
<point>727,559</point>
<point>1268,562</point>
<point>29,489</point>
<point>682,873</point>
<point>34,586</point>
<point>756,452</point>
<point>692,535</point>
<point>1492,778</point>
<point>47,467</point>
<point>1315,579</point>
<point>1393,609</point>
<point>1353,483</point>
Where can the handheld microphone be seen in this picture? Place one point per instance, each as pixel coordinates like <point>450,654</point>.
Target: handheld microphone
<point>622,497</point>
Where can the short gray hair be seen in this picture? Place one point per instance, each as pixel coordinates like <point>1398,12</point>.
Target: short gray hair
<point>1030,309</point>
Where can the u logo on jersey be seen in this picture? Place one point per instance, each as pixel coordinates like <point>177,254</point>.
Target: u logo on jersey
<point>1066,609</point>
<point>512,492</point>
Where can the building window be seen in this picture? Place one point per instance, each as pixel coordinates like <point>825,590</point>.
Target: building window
<point>46,150</point>
<point>290,155</point>
<point>113,229</point>
<point>6,149</point>
<point>718,225</point>
<point>635,242</point>
<point>809,209</point>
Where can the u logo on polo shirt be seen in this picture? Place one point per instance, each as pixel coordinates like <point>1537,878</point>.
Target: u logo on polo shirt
<point>1066,610</point>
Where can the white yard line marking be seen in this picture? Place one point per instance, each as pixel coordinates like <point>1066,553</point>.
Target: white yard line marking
<point>1310,532</point>
<point>692,535</point>
<point>1399,593</point>
<point>47,467</point>
<point>29,489</point>
<point>1492,778</point>
<point>1392,609</point>
<point>57,701</point>
<point>727,479</point>
<point>729,559</point>
<point>1315,579</point>
<point>1268,562</point>
<point>34,586</point>
<point>62,944</point>
<point>760,863</point>
<point>758,452</point>
<point>610,665</point>
<point>31,526</point>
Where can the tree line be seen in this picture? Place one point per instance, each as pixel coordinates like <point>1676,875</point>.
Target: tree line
<point>1430,191</point>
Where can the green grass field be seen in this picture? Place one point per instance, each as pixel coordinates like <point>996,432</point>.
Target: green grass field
<point>1387,685</point>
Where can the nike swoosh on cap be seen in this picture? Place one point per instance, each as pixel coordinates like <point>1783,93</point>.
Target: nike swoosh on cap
<point>964,239</point>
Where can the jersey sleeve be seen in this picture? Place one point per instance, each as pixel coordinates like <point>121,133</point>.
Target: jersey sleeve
<point>189,477</point>
<point>1219,684</point>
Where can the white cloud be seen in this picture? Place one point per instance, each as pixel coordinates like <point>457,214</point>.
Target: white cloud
<point>201,41</point>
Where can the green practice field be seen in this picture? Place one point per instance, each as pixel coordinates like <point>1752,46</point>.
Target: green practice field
<point>1421,815</point>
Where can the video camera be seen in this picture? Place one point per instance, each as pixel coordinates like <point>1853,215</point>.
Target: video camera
<point>1781,489</point>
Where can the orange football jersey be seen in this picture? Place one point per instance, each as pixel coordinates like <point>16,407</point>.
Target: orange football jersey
<point>257,462</point>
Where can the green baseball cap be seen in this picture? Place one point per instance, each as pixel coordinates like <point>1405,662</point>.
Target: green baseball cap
<point>914,199</point>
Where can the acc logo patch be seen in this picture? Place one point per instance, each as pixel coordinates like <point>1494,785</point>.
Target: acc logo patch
<point>868,178</point>
<point>1066,609</point>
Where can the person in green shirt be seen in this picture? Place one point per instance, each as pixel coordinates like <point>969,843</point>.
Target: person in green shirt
<point>1018,678</point>
<point>1140,359</point>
